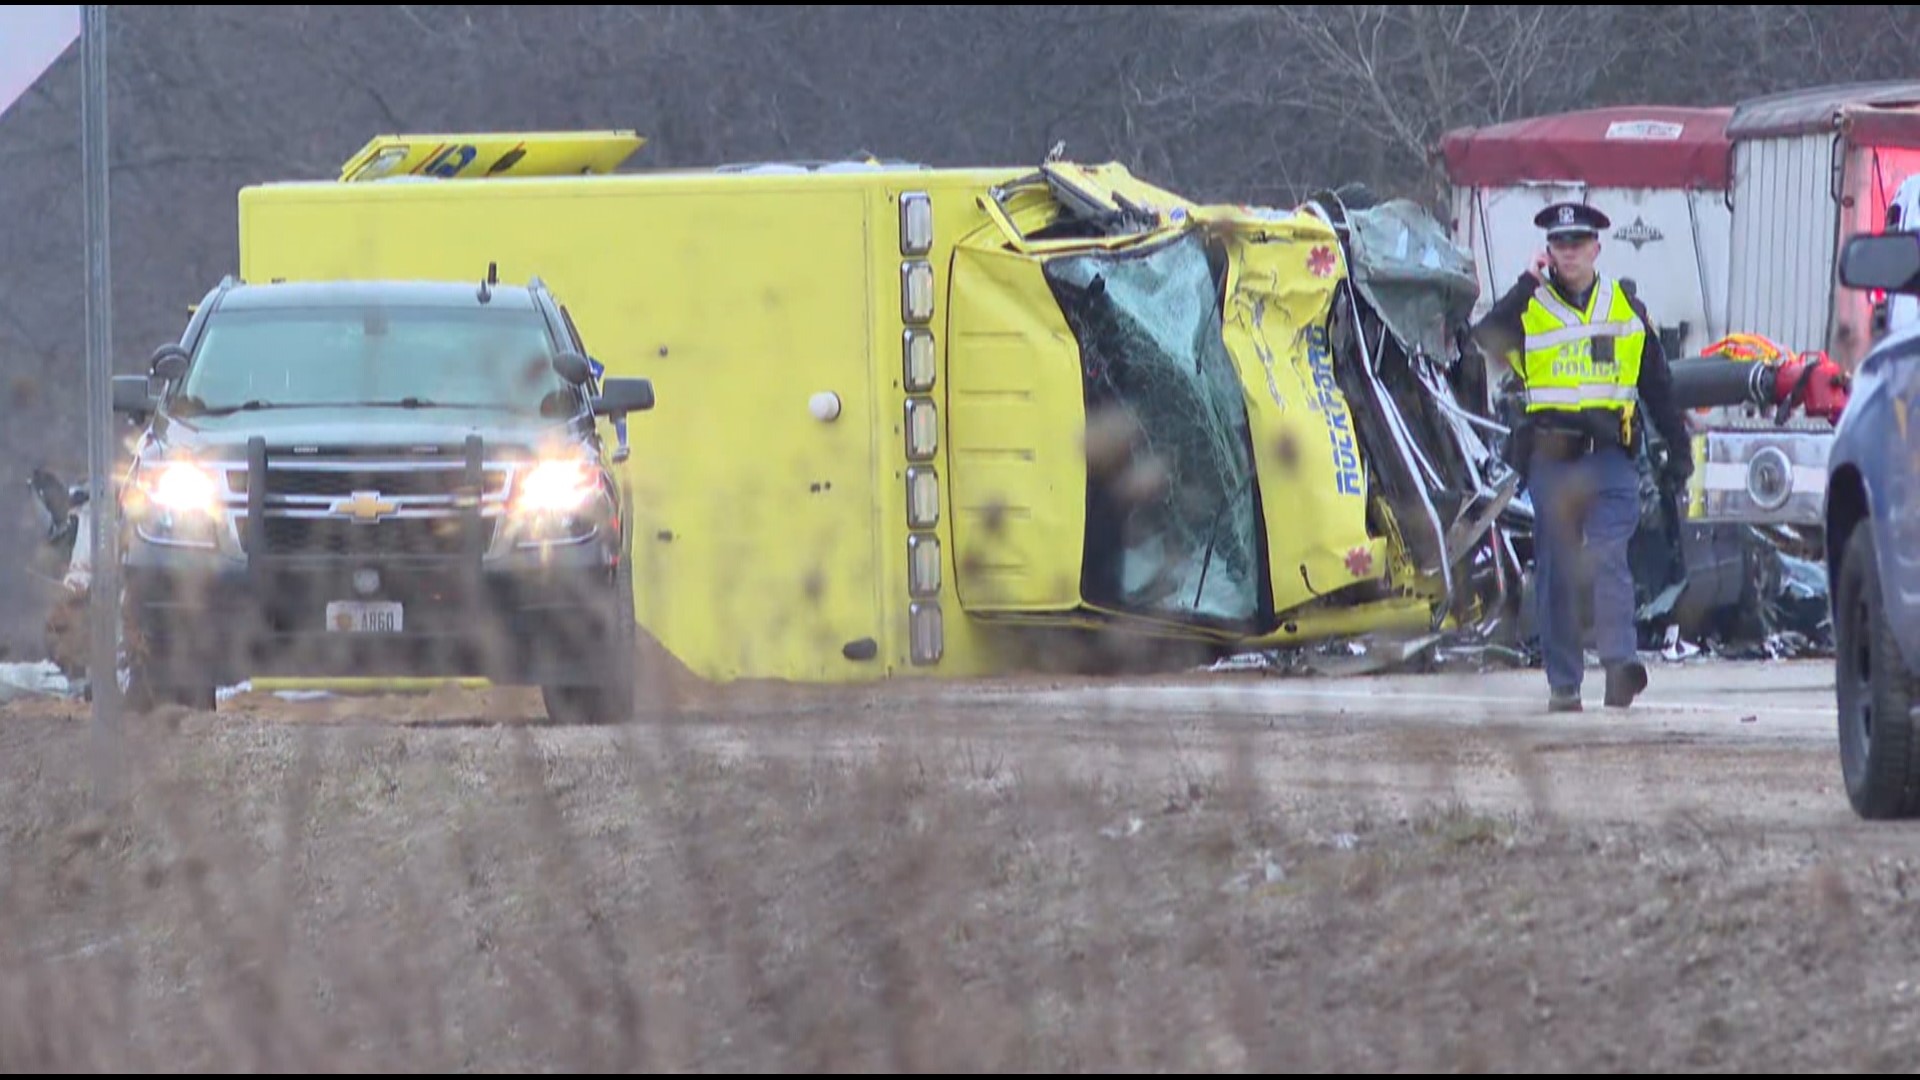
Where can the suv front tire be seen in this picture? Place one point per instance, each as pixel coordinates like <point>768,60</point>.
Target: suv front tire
<point>613,693</point>
<point>1874,688</point>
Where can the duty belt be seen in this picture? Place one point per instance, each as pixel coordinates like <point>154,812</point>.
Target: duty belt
<point>1564,445</point>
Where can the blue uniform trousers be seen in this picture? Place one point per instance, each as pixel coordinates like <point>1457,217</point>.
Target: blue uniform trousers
<point>1585,512</point>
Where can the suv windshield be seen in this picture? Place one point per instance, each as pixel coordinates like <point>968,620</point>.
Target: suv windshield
<point>287,357</point>
<point>1151,346</point>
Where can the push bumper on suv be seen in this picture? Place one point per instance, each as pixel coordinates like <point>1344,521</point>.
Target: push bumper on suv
<point>374,566</point>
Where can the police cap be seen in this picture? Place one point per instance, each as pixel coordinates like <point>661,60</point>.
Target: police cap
<point>1571,219</point>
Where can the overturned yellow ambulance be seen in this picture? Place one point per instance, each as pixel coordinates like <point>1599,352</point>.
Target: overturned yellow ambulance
<point>921,420</point>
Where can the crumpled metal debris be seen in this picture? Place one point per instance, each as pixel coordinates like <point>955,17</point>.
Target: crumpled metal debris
<point>1419,286</point>
<point>1782,614</point>
<point>1420,282</point>
<point>1380,654</point>
<point>1784,611</point>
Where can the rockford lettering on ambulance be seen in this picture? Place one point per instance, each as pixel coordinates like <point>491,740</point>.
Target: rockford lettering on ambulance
<point>1327,400</point>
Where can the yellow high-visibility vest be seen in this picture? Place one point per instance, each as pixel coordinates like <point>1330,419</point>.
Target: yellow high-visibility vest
<point>1559,366</point>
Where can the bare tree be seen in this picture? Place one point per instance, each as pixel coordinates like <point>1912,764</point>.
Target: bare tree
<point>1400,76</point>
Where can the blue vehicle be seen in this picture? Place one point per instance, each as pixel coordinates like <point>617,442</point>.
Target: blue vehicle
<point>1873,545</point>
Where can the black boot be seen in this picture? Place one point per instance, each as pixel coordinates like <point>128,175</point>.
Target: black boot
<point>1624,683</point>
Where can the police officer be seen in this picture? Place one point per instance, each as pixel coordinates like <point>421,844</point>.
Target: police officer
<point>1583,348</point>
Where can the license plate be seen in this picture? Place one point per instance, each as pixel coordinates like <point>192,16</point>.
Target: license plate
<point>357,617</point>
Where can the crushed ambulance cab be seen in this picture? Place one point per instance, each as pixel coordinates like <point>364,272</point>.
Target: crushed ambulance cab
<point>931,421</point>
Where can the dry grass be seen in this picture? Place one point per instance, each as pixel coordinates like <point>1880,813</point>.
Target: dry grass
<point>282,898</point>
<point>876,888</point>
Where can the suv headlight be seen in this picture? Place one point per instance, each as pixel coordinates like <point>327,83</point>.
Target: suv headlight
<point>185,488</point>
<point>557,487</point>
<point>177,503</point>
<point>559,501</point>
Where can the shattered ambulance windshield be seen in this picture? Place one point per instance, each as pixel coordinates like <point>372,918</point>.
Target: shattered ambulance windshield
<point>1172,532</point>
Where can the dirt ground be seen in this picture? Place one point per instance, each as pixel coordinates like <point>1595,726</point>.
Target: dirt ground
<point>1228,872</point>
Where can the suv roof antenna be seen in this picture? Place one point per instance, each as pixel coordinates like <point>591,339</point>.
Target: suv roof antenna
<point>492,278</point>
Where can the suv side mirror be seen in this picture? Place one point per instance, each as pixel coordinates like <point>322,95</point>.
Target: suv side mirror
<point>1889,261</point>
<point>132,396</point>
<point>169,362</point>
<point>573,367</point>
<point>618,397</point>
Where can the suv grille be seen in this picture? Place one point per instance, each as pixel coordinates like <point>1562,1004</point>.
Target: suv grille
<point>294,482</point>
<point>442,536</point>
<point>416,508</point>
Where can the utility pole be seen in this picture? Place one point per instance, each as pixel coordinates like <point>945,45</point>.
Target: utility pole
<point>103,668</point>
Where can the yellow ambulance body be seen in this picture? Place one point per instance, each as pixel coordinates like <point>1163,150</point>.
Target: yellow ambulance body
<point>873,452</point>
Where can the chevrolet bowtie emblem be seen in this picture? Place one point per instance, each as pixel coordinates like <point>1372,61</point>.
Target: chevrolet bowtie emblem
<point>364,506</point>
